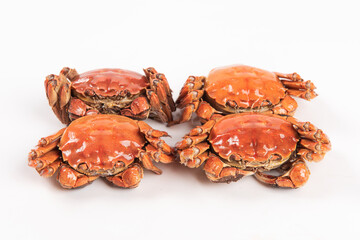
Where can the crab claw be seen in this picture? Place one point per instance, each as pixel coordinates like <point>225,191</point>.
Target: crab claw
<point>218,171</point>
<point>296,176</point>
<point>130,178</point>
<point>69,178</point>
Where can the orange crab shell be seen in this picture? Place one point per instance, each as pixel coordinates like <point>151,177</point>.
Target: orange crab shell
<point>249,87</point>
<point>110,82</point>
<point>253,137</point>
<point>99,145</point>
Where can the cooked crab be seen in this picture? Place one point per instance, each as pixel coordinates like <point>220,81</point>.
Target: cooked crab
<point>244,144</point>
<point>240,88</point>
<point>110,91</point>
<point>110,146</point>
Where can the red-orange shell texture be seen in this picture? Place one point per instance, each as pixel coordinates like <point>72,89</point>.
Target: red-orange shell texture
<point>254,137</point>
<point>109,82</point>
<point>101,141</point>
<point>247,86</point>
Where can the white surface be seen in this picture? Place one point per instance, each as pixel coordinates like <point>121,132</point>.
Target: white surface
<point>319,40</point>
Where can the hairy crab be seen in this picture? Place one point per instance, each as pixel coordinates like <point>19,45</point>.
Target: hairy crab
<point>109,91</point>
<point>244,144</point>
<point>241,88</point>
<point>110,146</point>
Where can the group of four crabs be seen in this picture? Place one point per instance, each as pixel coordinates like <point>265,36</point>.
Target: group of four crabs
<point>246,115</point>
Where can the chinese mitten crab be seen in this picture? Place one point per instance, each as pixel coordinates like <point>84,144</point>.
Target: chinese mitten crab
<point>109,91</point>
<point>240,88</point>
<point>110,146</point>
<point>244,144</point>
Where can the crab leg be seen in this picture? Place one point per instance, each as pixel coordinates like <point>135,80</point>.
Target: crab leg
<point>40,151</point>
<point>314,143</point>
<point>197,161</point>
<point>206,128</point>
<point>186,114</point>
<point>192,97</point>
<point>191,156</point>
<point>297,87</point>
<point>291,76</point>
<point>156,109</point>
<point>52,138</point>
<point>151,71</point>
<point>69,73</point>
<point>308,94</point>
<point>218,171</point>
<point>196,136</point>
<point>317,146</point>
<point>189,97</point>
<point>193,149</point>
<point>45,158</point>
<point>50,169</point>
<point>130,178</point>
<point>160,144</point>
<point>161,93</point>
<point>69,178</point>
<point>308,85</point>
<point>189,141</point>
<point>47,164</point>
<point>287,106</point>
<point>309,131</point>
<point>296,176</point>
<point>157,150</point>
<point>150,132</point>
<point>146,160</point>
<point>58,92</point>
<point>158,155</point>
<point>311,156</point>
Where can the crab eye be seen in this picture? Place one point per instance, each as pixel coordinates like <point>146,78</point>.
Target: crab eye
<point>89,92</point>
<point>83,166</point>
<point>233,157</point>
<point>119,164</point>
<point>231,104</point>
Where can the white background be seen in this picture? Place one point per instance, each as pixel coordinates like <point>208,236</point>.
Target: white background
<point>318,39</point>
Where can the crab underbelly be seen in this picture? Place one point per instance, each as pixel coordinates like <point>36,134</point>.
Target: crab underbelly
<point>227,109</point>
<point>265,165</point>
<point>108,105</point>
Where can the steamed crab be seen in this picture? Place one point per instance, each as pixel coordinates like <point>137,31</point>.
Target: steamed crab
<point>240,88</point>
<point>110,146</point>
<point>110,91</point>
<point>244,144</point>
